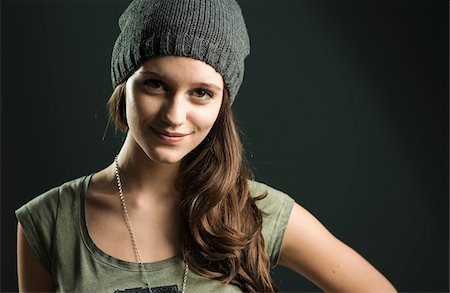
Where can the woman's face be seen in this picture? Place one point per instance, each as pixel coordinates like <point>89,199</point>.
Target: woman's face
<point>172,103</point>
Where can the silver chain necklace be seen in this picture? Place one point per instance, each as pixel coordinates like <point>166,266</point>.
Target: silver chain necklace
<point>133,239</point>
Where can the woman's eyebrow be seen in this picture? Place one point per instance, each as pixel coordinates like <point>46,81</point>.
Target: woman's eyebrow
<point>209,85</point>
<point>149,72</point>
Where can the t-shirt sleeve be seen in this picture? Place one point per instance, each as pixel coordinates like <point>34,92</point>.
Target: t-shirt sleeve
<point>37,219</point>
<point>276,208</point>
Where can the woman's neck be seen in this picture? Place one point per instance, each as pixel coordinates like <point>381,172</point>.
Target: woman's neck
<point>142,175</point>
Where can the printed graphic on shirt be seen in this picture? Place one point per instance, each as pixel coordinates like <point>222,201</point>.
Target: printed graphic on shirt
<point>160,289</point>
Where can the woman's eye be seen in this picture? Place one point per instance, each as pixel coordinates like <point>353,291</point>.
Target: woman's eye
<point>202,93</point>
<point>153,83</point>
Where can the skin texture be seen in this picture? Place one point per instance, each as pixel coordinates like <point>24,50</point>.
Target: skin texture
<point>180,95</point>
<point>312,251</point>
<point>31,273</point>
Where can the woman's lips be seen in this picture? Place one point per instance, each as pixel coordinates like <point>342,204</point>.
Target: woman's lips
<point>170,137</point>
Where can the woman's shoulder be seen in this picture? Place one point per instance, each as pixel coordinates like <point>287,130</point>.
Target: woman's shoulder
<point>276,207</point>
<point>269,199</point>
<point>39,217</point>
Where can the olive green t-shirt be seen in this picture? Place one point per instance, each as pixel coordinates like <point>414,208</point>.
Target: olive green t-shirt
<point>54,225</point>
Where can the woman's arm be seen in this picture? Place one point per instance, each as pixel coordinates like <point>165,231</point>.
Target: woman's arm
<point>311,250</point>
<point>32,275</point>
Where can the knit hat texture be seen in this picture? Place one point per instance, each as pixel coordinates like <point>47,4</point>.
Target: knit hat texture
<point>212,31</point>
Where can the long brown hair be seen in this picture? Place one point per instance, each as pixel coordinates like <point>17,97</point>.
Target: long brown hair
<point>221,233</point>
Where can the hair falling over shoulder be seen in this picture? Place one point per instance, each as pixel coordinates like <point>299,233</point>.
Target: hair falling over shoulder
<point>221,236</point>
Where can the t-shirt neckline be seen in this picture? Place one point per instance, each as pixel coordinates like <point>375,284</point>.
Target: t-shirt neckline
<point>103,256</point>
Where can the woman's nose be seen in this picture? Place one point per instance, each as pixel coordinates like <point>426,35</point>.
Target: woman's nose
<point>174,110</point>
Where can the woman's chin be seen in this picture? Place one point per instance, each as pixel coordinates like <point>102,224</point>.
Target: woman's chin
<point>162,158</point>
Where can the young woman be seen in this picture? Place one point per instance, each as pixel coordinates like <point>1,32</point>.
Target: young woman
<point>177,209</point>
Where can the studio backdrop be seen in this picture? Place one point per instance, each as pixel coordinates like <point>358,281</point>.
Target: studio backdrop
<point>344,106</point>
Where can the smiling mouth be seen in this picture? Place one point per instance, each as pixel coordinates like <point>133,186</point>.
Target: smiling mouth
<point>170,137</point>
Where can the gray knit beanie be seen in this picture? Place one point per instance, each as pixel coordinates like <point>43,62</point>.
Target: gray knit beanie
<point>212,31</point>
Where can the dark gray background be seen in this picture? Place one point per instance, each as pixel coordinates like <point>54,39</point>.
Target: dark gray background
<point>344,106</point>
